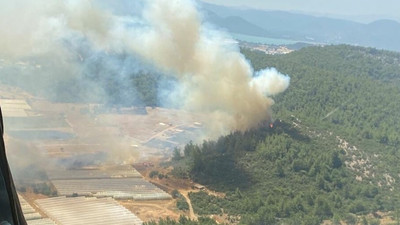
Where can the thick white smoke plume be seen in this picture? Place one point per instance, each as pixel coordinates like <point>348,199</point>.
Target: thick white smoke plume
<point>270,82</point>
<point>214,77</point>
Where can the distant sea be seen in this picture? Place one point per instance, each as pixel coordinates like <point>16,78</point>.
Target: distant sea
<point>262,40</point>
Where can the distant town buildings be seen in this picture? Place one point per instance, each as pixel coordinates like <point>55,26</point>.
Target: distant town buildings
<point>268,49</point>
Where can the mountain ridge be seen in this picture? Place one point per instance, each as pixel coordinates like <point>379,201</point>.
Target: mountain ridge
<point>382,34</point>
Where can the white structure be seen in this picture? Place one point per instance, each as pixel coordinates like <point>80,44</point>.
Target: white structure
<point>14,107</point>
<point>123,188</point>
<point>82,210</point>
<point>119,182</point>
<point>31,216</point>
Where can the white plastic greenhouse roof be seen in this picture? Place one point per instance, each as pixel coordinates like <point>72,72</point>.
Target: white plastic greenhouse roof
<point>83,210</point>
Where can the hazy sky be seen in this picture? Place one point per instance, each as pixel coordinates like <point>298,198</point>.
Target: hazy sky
<point>359,10</point>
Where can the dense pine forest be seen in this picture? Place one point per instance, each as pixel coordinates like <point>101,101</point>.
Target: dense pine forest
<point>332,154</point>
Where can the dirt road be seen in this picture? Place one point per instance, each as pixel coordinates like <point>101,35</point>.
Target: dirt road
<point>185,194</point>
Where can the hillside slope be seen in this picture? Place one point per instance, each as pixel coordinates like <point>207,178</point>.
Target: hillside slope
<point>332,153</point>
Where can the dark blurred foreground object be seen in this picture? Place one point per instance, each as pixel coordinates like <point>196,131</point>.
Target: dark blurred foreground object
<point>10,209</point>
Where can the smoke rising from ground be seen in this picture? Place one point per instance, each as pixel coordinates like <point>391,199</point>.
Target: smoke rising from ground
<point>167,36</point>
<point>215,76</point>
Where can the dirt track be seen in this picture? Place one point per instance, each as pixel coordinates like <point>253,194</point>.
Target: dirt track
<point>185,194</point>
<point>152,210</point>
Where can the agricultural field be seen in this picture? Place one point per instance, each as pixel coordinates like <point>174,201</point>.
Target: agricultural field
<point>68,149</point>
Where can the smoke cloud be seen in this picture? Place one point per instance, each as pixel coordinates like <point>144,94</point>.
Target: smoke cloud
<point>166,37</point>
<point>215,77</point>
<point>270,82</point>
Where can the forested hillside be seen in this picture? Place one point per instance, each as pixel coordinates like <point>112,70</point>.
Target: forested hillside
<point>331,155</point>
<point>347,88</point>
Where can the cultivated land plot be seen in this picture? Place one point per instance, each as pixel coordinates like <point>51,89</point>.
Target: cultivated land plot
<point>153,210</point>
<point>104,172</point>
<point>37,122</point>
<point>82,210</point>
<point>155,124</point>
<point>68,134</point>
<point>67,129</point>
